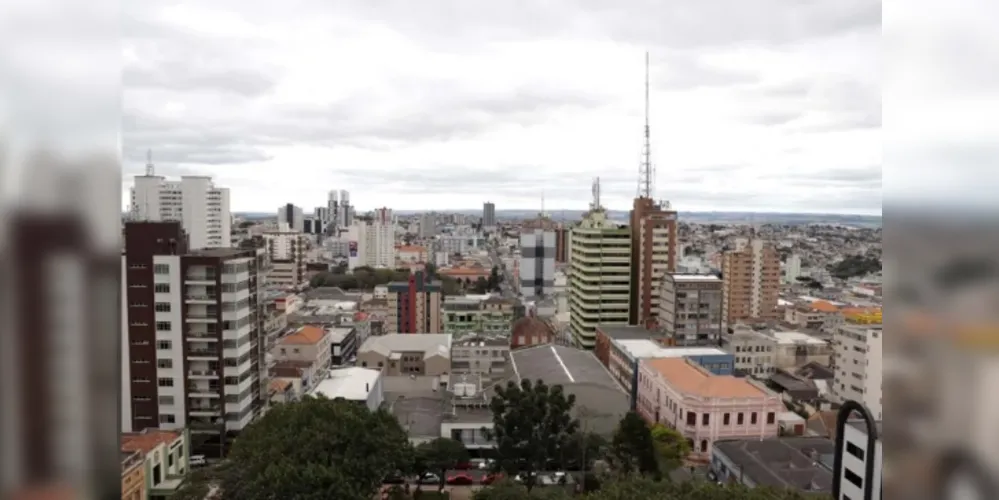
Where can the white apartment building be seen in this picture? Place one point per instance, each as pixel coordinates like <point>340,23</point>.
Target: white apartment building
<point>291,216</point>
<point>195,201</point>
<point>857,365</point>
<point>792,268</point>
<point>372,243</point>
<point>458,243</point>
<point>286,250</point>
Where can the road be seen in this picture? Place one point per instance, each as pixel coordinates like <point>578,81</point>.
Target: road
<point>507,286</point>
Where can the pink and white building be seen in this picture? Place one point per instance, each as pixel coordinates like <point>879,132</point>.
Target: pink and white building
<point>702,406</point>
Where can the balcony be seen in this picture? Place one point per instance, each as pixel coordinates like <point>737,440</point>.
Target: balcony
<point>195,298</point>
<point>203,410</point>
<point>202,391</point>
<point>201,317</point>
<point>202,336</point>
<point>203,374</point>
<point>199,279</point>
<point>202,354</point>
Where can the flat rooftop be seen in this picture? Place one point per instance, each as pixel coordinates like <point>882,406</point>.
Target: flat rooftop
<point>623,332</point>
<point>647,348</point>
<point>353,384</point>
<point>793,337</point>
<point>696,277</point>
<point>801,463</point>
<point>429,344</point>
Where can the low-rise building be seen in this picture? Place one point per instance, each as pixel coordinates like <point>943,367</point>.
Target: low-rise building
<point>165,457</point>
<point>798,463</point>
<point>309,345</point>
<point>754,351</point>
<point>528,331</point>
<point>361,385</point>
<point>407,354</point>
<point>133,476</point>
<point>344,343</point>
<point>482,355</point>
<point>476,313</point>
<point>705,407</point>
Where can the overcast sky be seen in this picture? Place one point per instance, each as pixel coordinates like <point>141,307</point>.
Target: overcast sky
<point>767,105</point>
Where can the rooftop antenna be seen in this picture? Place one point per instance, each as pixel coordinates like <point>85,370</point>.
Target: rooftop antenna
<point>646,172</point>
<point>542,203</point>
<point>596,193</point>
<point>150,170</point>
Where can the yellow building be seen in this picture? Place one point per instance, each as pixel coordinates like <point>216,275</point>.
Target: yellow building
<point>133,476</point>
<point>599,276</point>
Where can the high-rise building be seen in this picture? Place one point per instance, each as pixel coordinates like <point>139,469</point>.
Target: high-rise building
<point>690,309</point>
<point>414,305</point>
<point>653,255</point>
<point>562,237</point>
<point>428,225</point>
<point>372,243</point>
<point>857,365</point>
<point>286,250</point>
<point>599,276</point>
<point>332,209</point>
<point>194,200</point>
<point>792,268</point>
<point>292,216</point>
<point>751,275</point>
<point>192,346</point>
<point>488,214</point>
<point>346,210</point>
<point>537,258</point>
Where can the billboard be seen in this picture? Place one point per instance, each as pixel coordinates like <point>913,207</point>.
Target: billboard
<point>352,249</point>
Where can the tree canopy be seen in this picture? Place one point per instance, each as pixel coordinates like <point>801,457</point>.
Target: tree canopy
<point>532,424</point>
<point>362,278</point>
<point>671,447</point>
<point>855,265</point>
<point>632,449</point>
<point>641,488</point>
<point>317,449</point>
<point>439,455</point>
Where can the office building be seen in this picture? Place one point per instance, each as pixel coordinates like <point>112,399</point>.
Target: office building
<point>414,305</point>
<point>192,343</point>
<point>286,251</point>
<point>857,362</point>
<point>653,254</point>
<point>194,201</point>
<point>751,275</point>
<point>291,216</point>
<point>488,214</point>
<point>537,259</point>
<point>599,277</point>
<point>690,309</point>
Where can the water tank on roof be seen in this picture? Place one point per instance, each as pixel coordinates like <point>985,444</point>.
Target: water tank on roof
<point>465,390</point>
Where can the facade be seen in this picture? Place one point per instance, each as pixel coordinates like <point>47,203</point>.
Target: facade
<point>165,459</point>
<point>306,344</point>
<point>200,206</point>
<point>480,355</point>
<point>600,276</point>
<point>857,365</point>
<point>415,305</point>
<point>372,243</point>
<point>458,244</point>
<point>537,263</point>
<point>562,236</point>
<point>476,314</point>
<point>343,343</point>
<point>286,251</point>
<point>690,309</point>
<point>133,476</point>
<point>193,342</point>
<point>291,216</point>
<point>792,269</point>
<point>751,275</point>
<point>409,355</point>
<point>754,351</point>
<point>653,254</point>
<point>528,331</point>
<point>488,214</point>
<point>705,407</point>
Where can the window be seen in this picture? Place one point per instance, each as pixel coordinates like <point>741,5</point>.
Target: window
<point>752,418</point>
<point>163,326</point>
<point>771,417</point>
<point>163,307</point>
<point>161,288</point>
<point>163,345</point>
<point>164,363</point>
<point>364,364</point>
<point>161,269</point>
<point>691,418</point>
<point>165,382</point>
<point>166,400</point>
<point>739,420</point>
<point>704,445</point>
<point>705,419</point>
<point>726,419</point>
<point>167,418</point>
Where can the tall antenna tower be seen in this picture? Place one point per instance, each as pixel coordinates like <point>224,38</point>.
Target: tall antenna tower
<point>150,170</point>
<point>595,205</point>
<point>646,172</point>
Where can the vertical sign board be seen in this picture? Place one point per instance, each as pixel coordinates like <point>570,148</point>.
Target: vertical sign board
<point>871,454</point>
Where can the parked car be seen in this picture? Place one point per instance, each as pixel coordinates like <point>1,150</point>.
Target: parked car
<point>394,478</point>
<point>430,478</point>
<point>481,463</point>
<point>491,478</point>
<point>197,461</point>
<point>460,479</point>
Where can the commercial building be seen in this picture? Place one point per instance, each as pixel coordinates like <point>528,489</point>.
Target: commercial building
<point>292,217</point>
<point>705,407</point>
<point>751,275</point>
<point>286,251</point>
<point>857,363</point>
<point>483,356</point>
<point>195,201</point>
<point>600,276</point>
<point>403,354</point>
<point>414,305</point>
<point>653,254</point>
<point>690,309</point>
<point>193,348</point>
<point>488,214</point>
<point>476,313</point>
<point>361,385</point>
<point>537,259</point>
<point>165,458</point>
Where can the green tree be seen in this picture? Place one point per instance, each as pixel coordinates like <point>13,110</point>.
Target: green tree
<point>450,286</point>
<point>481,286</point>
<point>511,490</point>
<point>641,488</point>
<point>440,455</point>
<point>431,270</point>
<point>532,423</point>
<point>671,447</point>
<point>582,449</point>
<point>315,449</point>
<point>632,449</point>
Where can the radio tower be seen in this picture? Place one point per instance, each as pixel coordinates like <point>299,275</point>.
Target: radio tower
<point>150,170</point>
<point>646,172</point>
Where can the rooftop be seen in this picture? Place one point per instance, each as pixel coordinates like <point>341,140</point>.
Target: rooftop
<point>429,344</point>
<point>626,332</point>
<point>646,348</point>
<point>340,333</point>
<point>793,337</point>
<point>352,383</point>
<point>695,277</point>
<point>223,253</point>
<point>306,335</point>
<point>801,463</point>
<point>329,293</point>
<point>691,379</point>
<point>147,440</point>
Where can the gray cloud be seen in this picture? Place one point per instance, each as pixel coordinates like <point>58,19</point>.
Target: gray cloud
<point>864,178</point>
<point>686,70</point>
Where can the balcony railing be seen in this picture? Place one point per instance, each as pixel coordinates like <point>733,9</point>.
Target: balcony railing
<point>206,408</point>
<point>203,373</point>
<point>194,296</point>
<point>202,352</point>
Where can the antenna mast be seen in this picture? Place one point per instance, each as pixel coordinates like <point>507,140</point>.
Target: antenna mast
<point>596,194</point>
<point>542,203</point>
<point>150,170</point>
<point>646,172</point>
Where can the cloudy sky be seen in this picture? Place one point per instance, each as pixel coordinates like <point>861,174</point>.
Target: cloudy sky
<point>764,105</point>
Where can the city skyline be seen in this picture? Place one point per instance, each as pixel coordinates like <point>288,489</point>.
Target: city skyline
<point>780,114</point>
